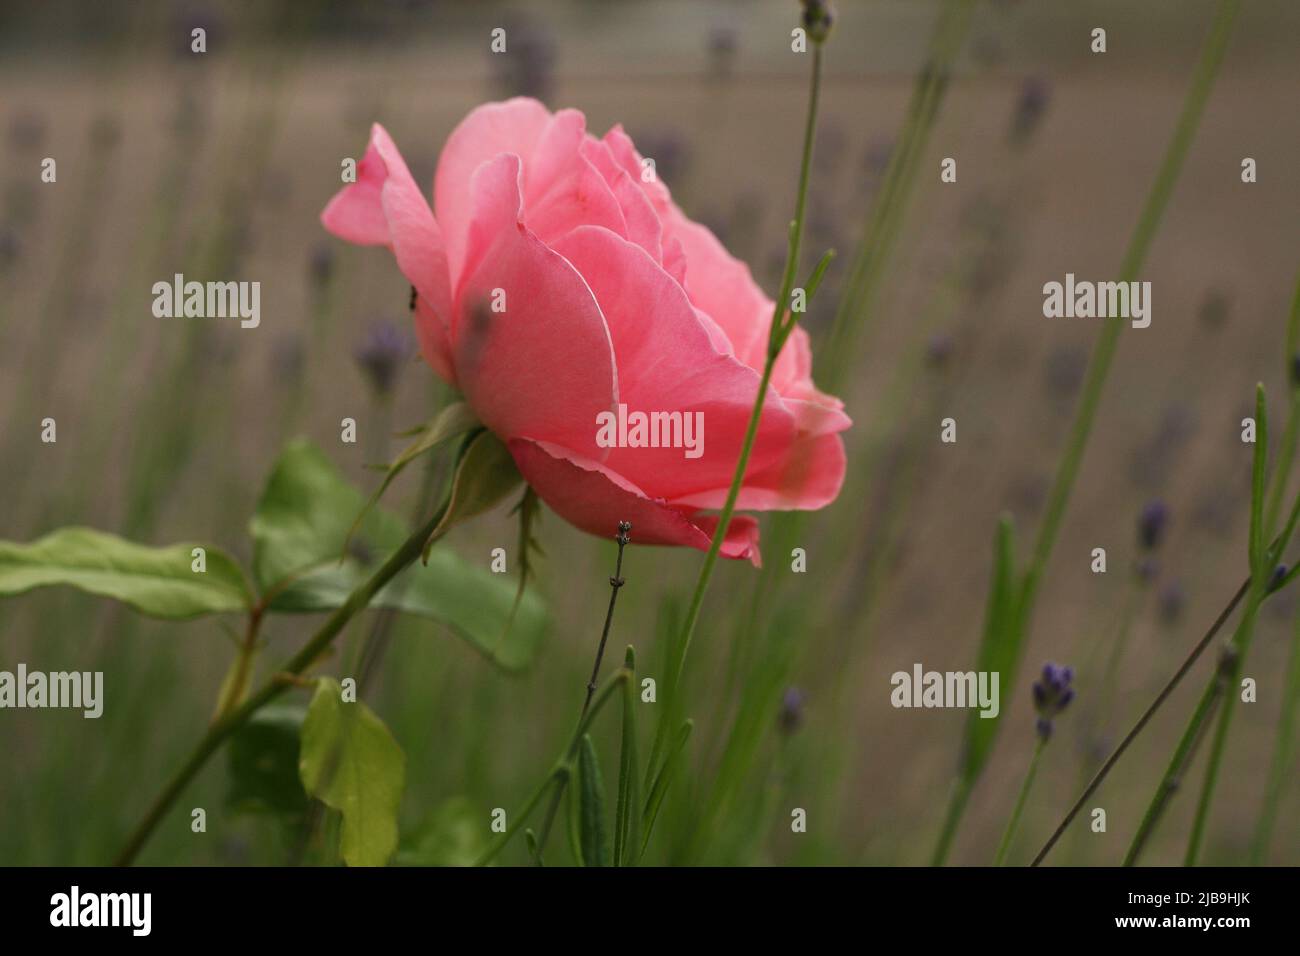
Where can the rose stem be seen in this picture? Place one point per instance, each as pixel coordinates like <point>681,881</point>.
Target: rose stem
<point>224,727</point>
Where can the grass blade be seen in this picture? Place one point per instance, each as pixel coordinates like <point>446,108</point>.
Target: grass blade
<point>594,836</point>
<point>627,825</point>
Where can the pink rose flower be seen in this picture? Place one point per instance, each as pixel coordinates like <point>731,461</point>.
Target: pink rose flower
<point>556,284</point>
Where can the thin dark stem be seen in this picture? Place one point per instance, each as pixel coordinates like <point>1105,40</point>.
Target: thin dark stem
<point>615,585</point>
<point>1173,778</point>
<point>1150,712</point>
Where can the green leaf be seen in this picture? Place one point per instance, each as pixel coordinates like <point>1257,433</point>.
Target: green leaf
<point>298,531</point>
<point>485,476</point>
<point>351,763</point>
<point>451,835</point>
<point>264,763</point>
<point>594,837</point>
<point>159,582</point>
<point>627,825</point>
<point>454,420</point>
<point>529,511</point>
<point>999,647</point>
<point>1258,481</point>
<point>573,826</point>
<point>660,788</point>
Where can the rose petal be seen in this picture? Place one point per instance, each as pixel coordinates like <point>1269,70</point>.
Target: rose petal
<point>595,499</point>
<point>385,207</point>
<point>515,127</point>
<point>544,367</point>
<point>562,190</point>
<point>667,364</point>
<point>808,478</point>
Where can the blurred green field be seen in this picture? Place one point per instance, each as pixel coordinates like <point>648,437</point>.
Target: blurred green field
<point>217,166</point>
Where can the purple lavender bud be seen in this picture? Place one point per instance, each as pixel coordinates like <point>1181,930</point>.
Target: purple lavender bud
<point>1215,308</point>
<point>1171,601</point>
<point>1052,694</point>
<point>1148,568</point>
<point>1151,524</point>
<point>1030,107</point>
<point>380,354</point>
<point>791,716</point>
<point>938,350</point>
<point>320,264</point>
<point>818,18</point>
<point>1279,575</point>
<point>723,42</point>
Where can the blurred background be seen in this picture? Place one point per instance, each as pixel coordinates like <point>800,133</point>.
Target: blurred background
<point>217,166</point>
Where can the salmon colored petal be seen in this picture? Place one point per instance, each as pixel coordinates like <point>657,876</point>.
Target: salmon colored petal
<point>562,189</point>
<point>385,207</point>
<point>722,286</point>
<point>642,221</point>
<point>435,345</point>
<point>595,499</point>
<point>633,163</point>
<point>515,127</point>
<point>808,478</point>
<point>669,365</point>
<point>543,366</point>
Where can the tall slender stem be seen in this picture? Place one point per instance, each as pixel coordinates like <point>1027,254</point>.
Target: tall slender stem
<point>1005,845</point>
<point>562,779</point>
<point>1283,750</point>
<point>615,585</point>
<point>775,340</point>
<point>1183,756</point>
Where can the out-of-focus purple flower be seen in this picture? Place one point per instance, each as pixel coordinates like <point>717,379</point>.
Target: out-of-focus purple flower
<point>1151,524</point>
<point>1064,370</point>
<point>1171,601</point>
<point>1216,309</point>
<point>1278,576</point>
<point>526,68</point>
<point>938,350</point>
<point>669,150</point>
<point>723,41</point>
<point>1052,694</point>
<point>1147,568</point>
<point>193,16</point>
<point>790,717</point>
<point>320,264</point>
<point>1030,107</point>
<point>381,354</point>
<point>876,159</point>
